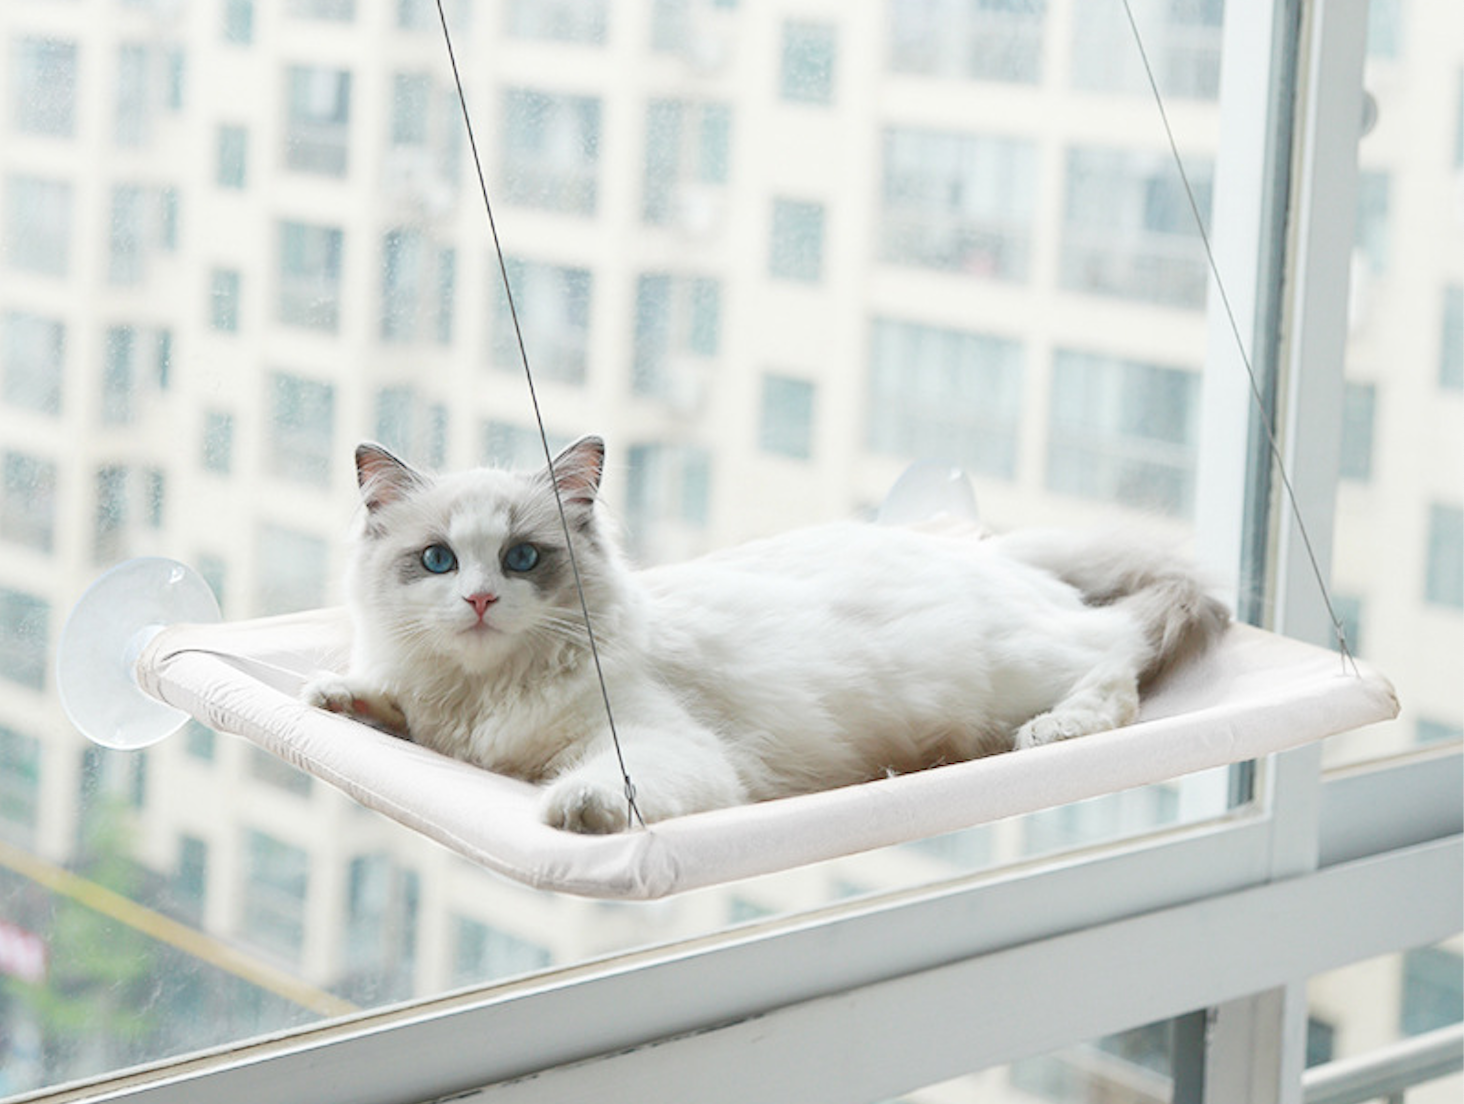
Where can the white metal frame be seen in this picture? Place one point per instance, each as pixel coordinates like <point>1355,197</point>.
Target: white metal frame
<point>864,1000</point>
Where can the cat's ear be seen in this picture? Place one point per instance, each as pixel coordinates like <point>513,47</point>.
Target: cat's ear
<point>383,478</point>
<point>577,471</point>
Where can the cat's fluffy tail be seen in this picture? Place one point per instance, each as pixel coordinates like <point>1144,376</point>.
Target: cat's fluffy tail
<point>1160,588</point>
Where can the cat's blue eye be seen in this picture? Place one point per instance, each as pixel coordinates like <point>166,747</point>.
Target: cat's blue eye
<point>438,559</point>
<point>521,557</point>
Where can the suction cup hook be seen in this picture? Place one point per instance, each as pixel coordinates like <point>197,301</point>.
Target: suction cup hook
<point>107,631</point>
<point>929,489</point>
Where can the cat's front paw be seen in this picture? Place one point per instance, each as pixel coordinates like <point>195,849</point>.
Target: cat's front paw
<point>579,806</point>
<point>339,694</point>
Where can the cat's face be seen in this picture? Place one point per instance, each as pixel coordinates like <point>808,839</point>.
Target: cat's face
<point>473,568</point>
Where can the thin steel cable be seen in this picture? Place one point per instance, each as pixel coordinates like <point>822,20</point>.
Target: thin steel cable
<point>633,810</point>
<point>1240,347</point>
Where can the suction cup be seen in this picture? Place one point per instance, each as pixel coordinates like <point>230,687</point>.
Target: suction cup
<point>103,638</point>
<point>926,490</point>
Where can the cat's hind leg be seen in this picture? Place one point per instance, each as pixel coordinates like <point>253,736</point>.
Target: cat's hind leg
<point>1107,697</point>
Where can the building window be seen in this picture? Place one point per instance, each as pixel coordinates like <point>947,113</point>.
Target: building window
<point>31,359</point>
<point>958,202</point>
<point>1182,40</point>
<point>274,771</point>
<point>25,631</point>
<point>43,86</point>
<point>155,497</point>
<point>582,21</point>
<point>200,741</point>
<point>144,223</point>
<point>402,254</point>
<point>1433,990</point>
<point>411,427</point>
<point>215,572</point>
<point>381,920</point>
<point>1348,608</point>
<point>417,281</point>
<point>20,785</point>
<point>190,876</point>
<point>37,225</point>
<point>553,305</point>
<point>28,505</point>
<point>1451,339</point>
<point>310,275</point>
<point>136,359</point>
<point>678,322</point>
<point>809,54</point>
<point>551,151</point>
<point>786,425</point>
<point>302,429</point>
<point>796,250</point>
<point>1429,730</point>
<point>239,21</point>
<point>421,15</point>
<point>946,395</point>
<point>334,11</point>
<point>688,154</point>
<point>1444,583</point>
<point>411,102</point>
<point>518,447</point>
<point>1359,402</point>
<point>482,953</point>
<point>233,156</point>
<point>1384,28</point>
<point>292,570</point>
<point>1128,229</point>
<point>446,294</point>
<point>996,40</point>
<point>668,490</point>
<point>218,442</point>
<point>109,533</point>
<point>132,123</point>
<point>317,119</point>
<point>276,890</point>
<point>223,300</point>
<point>1122,431</point>
<point>1373,221</point>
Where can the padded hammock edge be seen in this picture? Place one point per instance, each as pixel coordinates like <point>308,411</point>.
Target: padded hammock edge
<point>1254,694</point>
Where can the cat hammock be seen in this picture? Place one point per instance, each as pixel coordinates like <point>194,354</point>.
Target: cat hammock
<point>1254,694</point>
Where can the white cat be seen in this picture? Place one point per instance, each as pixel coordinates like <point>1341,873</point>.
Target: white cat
<point>823,657</point>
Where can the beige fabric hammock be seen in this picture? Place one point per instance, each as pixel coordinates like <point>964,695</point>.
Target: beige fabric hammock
<point>1254,694</point>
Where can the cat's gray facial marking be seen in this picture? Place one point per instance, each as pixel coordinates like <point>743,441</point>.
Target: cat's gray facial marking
<point>551,573</point>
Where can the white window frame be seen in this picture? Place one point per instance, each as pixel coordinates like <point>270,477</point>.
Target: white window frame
<point>862,1000</point>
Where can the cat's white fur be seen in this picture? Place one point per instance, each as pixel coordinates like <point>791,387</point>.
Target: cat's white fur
<point>822,657</point>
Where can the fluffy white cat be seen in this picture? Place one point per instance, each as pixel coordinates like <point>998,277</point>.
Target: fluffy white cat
<point>823,657</point>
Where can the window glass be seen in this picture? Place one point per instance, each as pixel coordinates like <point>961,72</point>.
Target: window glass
<point>809,64</point>
<point>583,21</point>
<point>1374,1004</point>
<point>768,293</point>
<point>992,40</point>
<point>795,251</point>
<point>1399,543</point>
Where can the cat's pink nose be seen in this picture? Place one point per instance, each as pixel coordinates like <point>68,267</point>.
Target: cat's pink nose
<point>481,601</point>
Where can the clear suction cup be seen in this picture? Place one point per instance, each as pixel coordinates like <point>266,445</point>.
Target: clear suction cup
<point>104,636</point>
<point>926,490</point>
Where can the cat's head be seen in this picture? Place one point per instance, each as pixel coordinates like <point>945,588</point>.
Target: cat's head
<point>473,567</point>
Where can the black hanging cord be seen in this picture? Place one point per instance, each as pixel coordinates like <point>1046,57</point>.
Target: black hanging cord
<point>633,810</point>
<point>1255,389</point>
